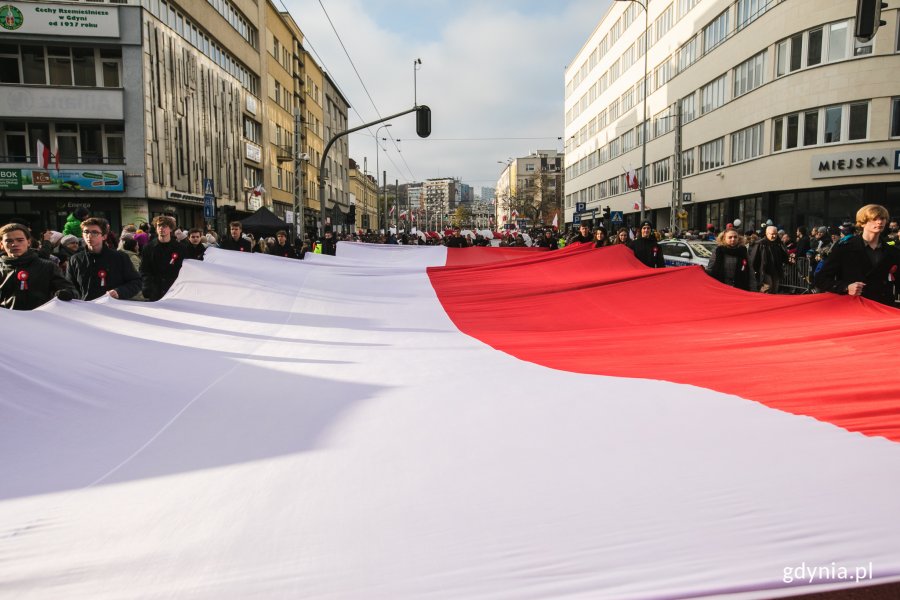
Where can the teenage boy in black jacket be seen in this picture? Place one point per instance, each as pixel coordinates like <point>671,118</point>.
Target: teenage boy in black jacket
<point>161,260</point>
<point>26,279</point>
<point>100,270</point>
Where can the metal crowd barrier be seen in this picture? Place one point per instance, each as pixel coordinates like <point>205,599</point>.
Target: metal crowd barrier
<point>797,277</point>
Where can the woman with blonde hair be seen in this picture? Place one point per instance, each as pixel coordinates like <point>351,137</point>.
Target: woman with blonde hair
<point>730,262</point>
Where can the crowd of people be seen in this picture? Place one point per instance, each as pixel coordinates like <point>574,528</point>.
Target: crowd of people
<point>142,263</point>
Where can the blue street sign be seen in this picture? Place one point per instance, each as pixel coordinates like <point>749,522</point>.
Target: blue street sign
<point>576,219</point>
<point>209,200</point>
<point>616,216</point>
<point>897,160</point>
<point>580,206</point>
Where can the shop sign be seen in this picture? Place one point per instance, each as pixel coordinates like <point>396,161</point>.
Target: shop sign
<point>59,19</point>
<point>9,179</point>
<point>849,164</point>
<point>253,152</point>
<point>185,197</point>
<point>76,180</point>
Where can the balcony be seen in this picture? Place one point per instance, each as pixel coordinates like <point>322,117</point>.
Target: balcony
<point>284,153</point>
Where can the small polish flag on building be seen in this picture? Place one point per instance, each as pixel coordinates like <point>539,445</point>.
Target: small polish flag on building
<point>43,155</point>
<point>259,190</point>
<point>631,179</point>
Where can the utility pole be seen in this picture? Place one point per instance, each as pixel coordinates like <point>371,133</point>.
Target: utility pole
<point>676,176</point>
<point>299,217</point>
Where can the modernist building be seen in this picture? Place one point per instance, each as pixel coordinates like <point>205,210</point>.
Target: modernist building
<point>529,191</point>
<point>757,109</point>
<point>148,107</point>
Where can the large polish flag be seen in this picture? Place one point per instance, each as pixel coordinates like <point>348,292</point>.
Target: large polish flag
<point>423,422</point>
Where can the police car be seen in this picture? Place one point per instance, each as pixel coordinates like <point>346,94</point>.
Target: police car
<point>680,253</point>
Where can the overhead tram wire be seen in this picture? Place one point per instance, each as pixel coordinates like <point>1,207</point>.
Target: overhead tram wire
<point>308,43</point>
<point>358,76</point>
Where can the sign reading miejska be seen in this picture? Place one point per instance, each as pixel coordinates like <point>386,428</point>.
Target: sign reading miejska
<point>99,20</point>
<point>849,164</point>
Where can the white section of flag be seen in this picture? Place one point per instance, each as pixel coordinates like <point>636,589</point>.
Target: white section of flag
<point>311,430</point>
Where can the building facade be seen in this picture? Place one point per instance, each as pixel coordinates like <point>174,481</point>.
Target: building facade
<point>530,190</point>
<point>441,197</point>
<point>757,110</point>
<point>149,107</point>
<point>363,196</point>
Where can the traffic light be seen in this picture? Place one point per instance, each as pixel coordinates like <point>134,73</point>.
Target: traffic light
<point>606,212</point>
<point>868,19</point>
<point>423,121</point>
<point>351,215</point>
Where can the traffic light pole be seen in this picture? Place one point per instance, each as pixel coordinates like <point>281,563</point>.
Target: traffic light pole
<point>423,129</point>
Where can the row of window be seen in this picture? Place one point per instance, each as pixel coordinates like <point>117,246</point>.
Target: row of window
<point>713,34</point>
<point>60,65</point>
<point>661,25</point>
<point>813,127</point>
<point>188,30</point>
<point>85,143</point>
<point>745,77</point>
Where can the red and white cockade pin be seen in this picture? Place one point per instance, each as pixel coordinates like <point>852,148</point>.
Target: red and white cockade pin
<point>22,276</point>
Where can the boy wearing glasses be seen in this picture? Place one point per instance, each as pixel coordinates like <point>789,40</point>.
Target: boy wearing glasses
<point>100,270</point>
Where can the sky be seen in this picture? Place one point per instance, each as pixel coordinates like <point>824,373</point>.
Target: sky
<point>492,72</point>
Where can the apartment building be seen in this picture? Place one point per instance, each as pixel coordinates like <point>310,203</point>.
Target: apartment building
<point>757,109</point>
<point>529,191</point>
<point>149,107</point>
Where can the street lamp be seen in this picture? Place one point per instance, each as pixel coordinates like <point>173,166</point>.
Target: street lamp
<point>378,173</point>
<point>644,124</point>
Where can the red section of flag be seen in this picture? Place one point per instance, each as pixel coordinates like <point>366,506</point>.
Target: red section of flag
<point>600,311</point>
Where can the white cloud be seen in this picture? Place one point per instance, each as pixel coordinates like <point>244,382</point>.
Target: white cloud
<point>490,70</point>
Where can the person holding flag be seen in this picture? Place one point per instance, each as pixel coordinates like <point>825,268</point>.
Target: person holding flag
<point>646,248</point>
<point>161,260</point>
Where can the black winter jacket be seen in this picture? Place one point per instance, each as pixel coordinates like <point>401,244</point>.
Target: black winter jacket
<point>94,274</point>
<point>287,250</point>
<point>849,262</point>
<point>731,266</point>
<point>241,245</point>
<point>192,251</point>
<point>160,265</point>
<point>29,281</point>
<point>647,250</point>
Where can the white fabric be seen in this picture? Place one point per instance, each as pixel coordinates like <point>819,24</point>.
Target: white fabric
<point>320,429</point>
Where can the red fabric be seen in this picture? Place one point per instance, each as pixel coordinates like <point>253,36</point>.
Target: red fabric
<point>834,358</point>
<point>481,255</point>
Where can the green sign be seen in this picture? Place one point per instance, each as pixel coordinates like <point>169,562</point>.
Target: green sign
<point>10,179</point>
<point>10,17</point>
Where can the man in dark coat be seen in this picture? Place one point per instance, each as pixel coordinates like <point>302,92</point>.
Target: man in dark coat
<point>863,265</point>
<point>26,279</point>
<point>193,245</point>
<point>281,246</point>
<point>768,257</point>
<point>161,260</point>
<point>548,241</point>
<point>456,240</point>
<point>329,244</point>
<point>584,235</point>
<point>236,241</point>
<point>646,248</point>
<point>100,270</point>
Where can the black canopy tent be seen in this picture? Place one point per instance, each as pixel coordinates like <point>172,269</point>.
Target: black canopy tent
<point>263,223</point>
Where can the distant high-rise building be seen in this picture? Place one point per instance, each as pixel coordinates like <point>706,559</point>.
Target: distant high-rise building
<point>488,194</point>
